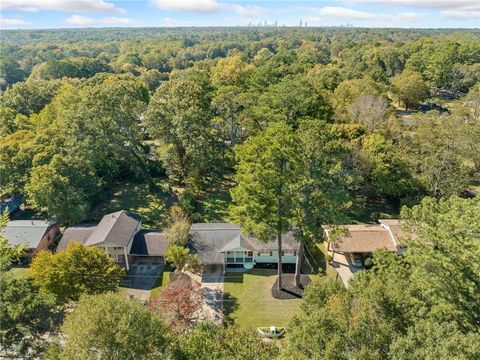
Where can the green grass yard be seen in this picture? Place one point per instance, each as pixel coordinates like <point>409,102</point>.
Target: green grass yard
<point>137,197</point>
<point>161,282</point>
<point>213,204</point>
<point>248,301</point>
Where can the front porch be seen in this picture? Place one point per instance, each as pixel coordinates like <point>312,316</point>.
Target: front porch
<point>239,257</point>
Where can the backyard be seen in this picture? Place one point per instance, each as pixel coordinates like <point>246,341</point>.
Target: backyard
<point>248,300</point>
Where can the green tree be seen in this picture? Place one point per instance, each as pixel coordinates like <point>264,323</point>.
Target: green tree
<point>179,115</point>
<point>26,315</point>
<point>55,189</point>
<point>291,100</point>
<point>231,70</point>
<point>447,241</point>
<point>8,253</point>
<point>10,72</point>
<point>348,92</point>
<point>440,151</point>
<point>179,229</point>
<point>109,326</point>
<point>384,170</point>
<point>323,186</point>
<point>400,308</point>
<point>209,341</point>
<point>266,177</point>
<point>29,97</point>
<point>410,89</point>
<point>181,258</point>
<point>77,270</point>
<point>326,308</point>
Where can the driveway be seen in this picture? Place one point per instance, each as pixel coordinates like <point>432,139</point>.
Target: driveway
<point>343,268</point>
<point>142,276</point>
<point>212,287</point>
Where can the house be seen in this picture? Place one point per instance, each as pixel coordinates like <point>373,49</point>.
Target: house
<point>120,235</point>
<point>223,244</point>
<point>37,235</point>
<point>362,240</point>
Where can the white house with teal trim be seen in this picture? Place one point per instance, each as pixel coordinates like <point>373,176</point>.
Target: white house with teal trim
<point>223,244</point>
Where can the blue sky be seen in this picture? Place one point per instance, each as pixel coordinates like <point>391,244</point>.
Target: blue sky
<point>46,14</point>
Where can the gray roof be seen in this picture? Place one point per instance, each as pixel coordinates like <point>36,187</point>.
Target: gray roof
<point>30,232</point>
<point>77,233</point>
<point>149,243</point>
<point>211,240</point>
<point>117,228</point>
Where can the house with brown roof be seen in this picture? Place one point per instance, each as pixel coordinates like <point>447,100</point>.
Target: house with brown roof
<point>120,234</point>
<point>360,241</point>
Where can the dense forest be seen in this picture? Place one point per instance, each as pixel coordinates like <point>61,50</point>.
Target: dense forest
<point>91,107</point>
<point>303,127</point>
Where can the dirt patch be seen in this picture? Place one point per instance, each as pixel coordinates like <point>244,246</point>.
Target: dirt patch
<point>289,291</point>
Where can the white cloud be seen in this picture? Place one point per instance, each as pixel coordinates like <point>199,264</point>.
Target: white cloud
<point>61,5</point>
<point>13,22</point>
<point>206,7</point>
<point>423,4</point>
<point>247,10</point>
<point>195,6</point>
<point>462,14</point>
<point>347,14</point>
<point>449,9</point>
<point>78,20</point>
<point>171,22</point>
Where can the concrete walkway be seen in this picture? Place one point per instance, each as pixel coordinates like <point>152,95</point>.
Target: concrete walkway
<point>343,268</point>
<point>212,283</point>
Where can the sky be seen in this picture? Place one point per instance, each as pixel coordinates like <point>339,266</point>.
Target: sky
<point>48,14</point>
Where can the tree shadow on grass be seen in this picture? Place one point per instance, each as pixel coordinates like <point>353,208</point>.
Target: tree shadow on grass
<point>151,205</point>
<point>230,305</point>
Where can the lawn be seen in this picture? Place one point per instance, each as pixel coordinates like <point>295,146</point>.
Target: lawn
<point>161,281</point>
<point>213,204</point>
<point>152,205</point>
<point>248,301</point>
<point>316,259</point>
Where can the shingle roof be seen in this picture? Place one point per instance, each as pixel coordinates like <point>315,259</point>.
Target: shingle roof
<point>30,232</point>
<point>396,227</point>
<point>211,240</point>
<point>365,238</point>
<point>288,243</point>
<point>78,233</point>
<point>149,243</point>
<point>117,228</point>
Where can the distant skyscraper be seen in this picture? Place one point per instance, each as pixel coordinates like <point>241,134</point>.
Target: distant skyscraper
<point>300,22</point>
